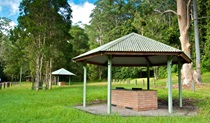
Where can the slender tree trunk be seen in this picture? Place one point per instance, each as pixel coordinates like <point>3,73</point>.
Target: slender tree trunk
<point>47,74</point>
<point>99,73</point>
<point>156,72</point>
<point>37,79</point>
<point>40,66</point>
<point>50,82</point>
<point>197,46</point>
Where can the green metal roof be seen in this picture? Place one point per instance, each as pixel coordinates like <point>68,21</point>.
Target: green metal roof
<point>130,45</point>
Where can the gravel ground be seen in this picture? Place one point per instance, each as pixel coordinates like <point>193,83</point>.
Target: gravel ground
<point>101,109</point>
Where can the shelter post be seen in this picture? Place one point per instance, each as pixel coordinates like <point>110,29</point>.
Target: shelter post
<point>69,80</point>
<point>50,81</point>
<point>109,93</point>
<point>148,76</point>
<point>179,83</point>
<point>84,86</point>
<point>57,80</point>
<point>170,102</point>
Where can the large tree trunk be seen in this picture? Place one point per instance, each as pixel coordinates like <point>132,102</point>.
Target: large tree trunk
<point>184,25</point>
<point>39,62</point>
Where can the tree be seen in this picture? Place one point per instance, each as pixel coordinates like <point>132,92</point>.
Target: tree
<point>78,44</point>
<point>110,20</point>
<point>5,26</point>
<point>14,54</point>
<point>183,15</point>
<point>47,24</point>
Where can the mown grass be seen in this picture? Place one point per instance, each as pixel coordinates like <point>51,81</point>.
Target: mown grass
<point>20,104</point>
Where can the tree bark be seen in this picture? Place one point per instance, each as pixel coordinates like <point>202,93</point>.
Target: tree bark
<point>37,79</point>
<point>46,80</point>
<point>156,72</point>
<point>183,13</point>
<point>50,82</point>
<point>39,61</point>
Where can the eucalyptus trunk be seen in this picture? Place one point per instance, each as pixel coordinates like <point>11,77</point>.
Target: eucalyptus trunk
<point>183,12</point>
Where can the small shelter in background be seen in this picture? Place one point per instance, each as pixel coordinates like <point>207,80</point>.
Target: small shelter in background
<point>62,72</point>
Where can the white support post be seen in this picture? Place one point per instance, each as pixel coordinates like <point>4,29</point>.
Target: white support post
<point>109,93</point>
<point>170,101</point>
<point>84,85</point>
<point>179,83</point>
<point>148,77</point>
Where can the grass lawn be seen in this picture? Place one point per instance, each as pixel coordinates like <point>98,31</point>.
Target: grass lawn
<point>20,104</point>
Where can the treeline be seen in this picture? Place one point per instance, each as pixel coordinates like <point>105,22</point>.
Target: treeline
<point>45,39</point>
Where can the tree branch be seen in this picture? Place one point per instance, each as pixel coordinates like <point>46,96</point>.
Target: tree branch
<point>188,15</point>
<point>201,18</point>
<point>167,11</point>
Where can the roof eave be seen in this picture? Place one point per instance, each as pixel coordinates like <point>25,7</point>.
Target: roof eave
<point>120,53</point>
<point>185,57</point>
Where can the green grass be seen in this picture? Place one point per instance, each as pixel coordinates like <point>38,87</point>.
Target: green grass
<point>20,104</point>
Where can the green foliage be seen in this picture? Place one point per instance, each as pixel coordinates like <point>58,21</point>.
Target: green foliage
<point>162,72</point>
<point>47,24</point>
<point>126,72</point>
<point>206,54</point>
<point>4,38</point>
<point>79,45</point>
<point>14,53</point>
<point>49,34</point>
<point>4,26</point>
<point>113,19</point>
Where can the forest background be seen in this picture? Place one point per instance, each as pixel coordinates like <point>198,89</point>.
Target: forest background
<point>45,39</point>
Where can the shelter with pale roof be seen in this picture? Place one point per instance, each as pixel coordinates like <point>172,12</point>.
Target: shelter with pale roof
<point>62,72</point>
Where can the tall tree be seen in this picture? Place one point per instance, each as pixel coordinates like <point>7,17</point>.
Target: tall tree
<point>79,45</point>
<point>110,20</point>
<point>183,13</point>
<point>14,50</point>
<point>5,26</point>
<point>47,23</point>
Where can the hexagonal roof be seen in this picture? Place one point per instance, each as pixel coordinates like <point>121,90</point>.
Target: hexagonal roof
<point>133,50</point>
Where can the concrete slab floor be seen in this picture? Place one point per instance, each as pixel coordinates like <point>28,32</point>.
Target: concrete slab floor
<point>101,109</point>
